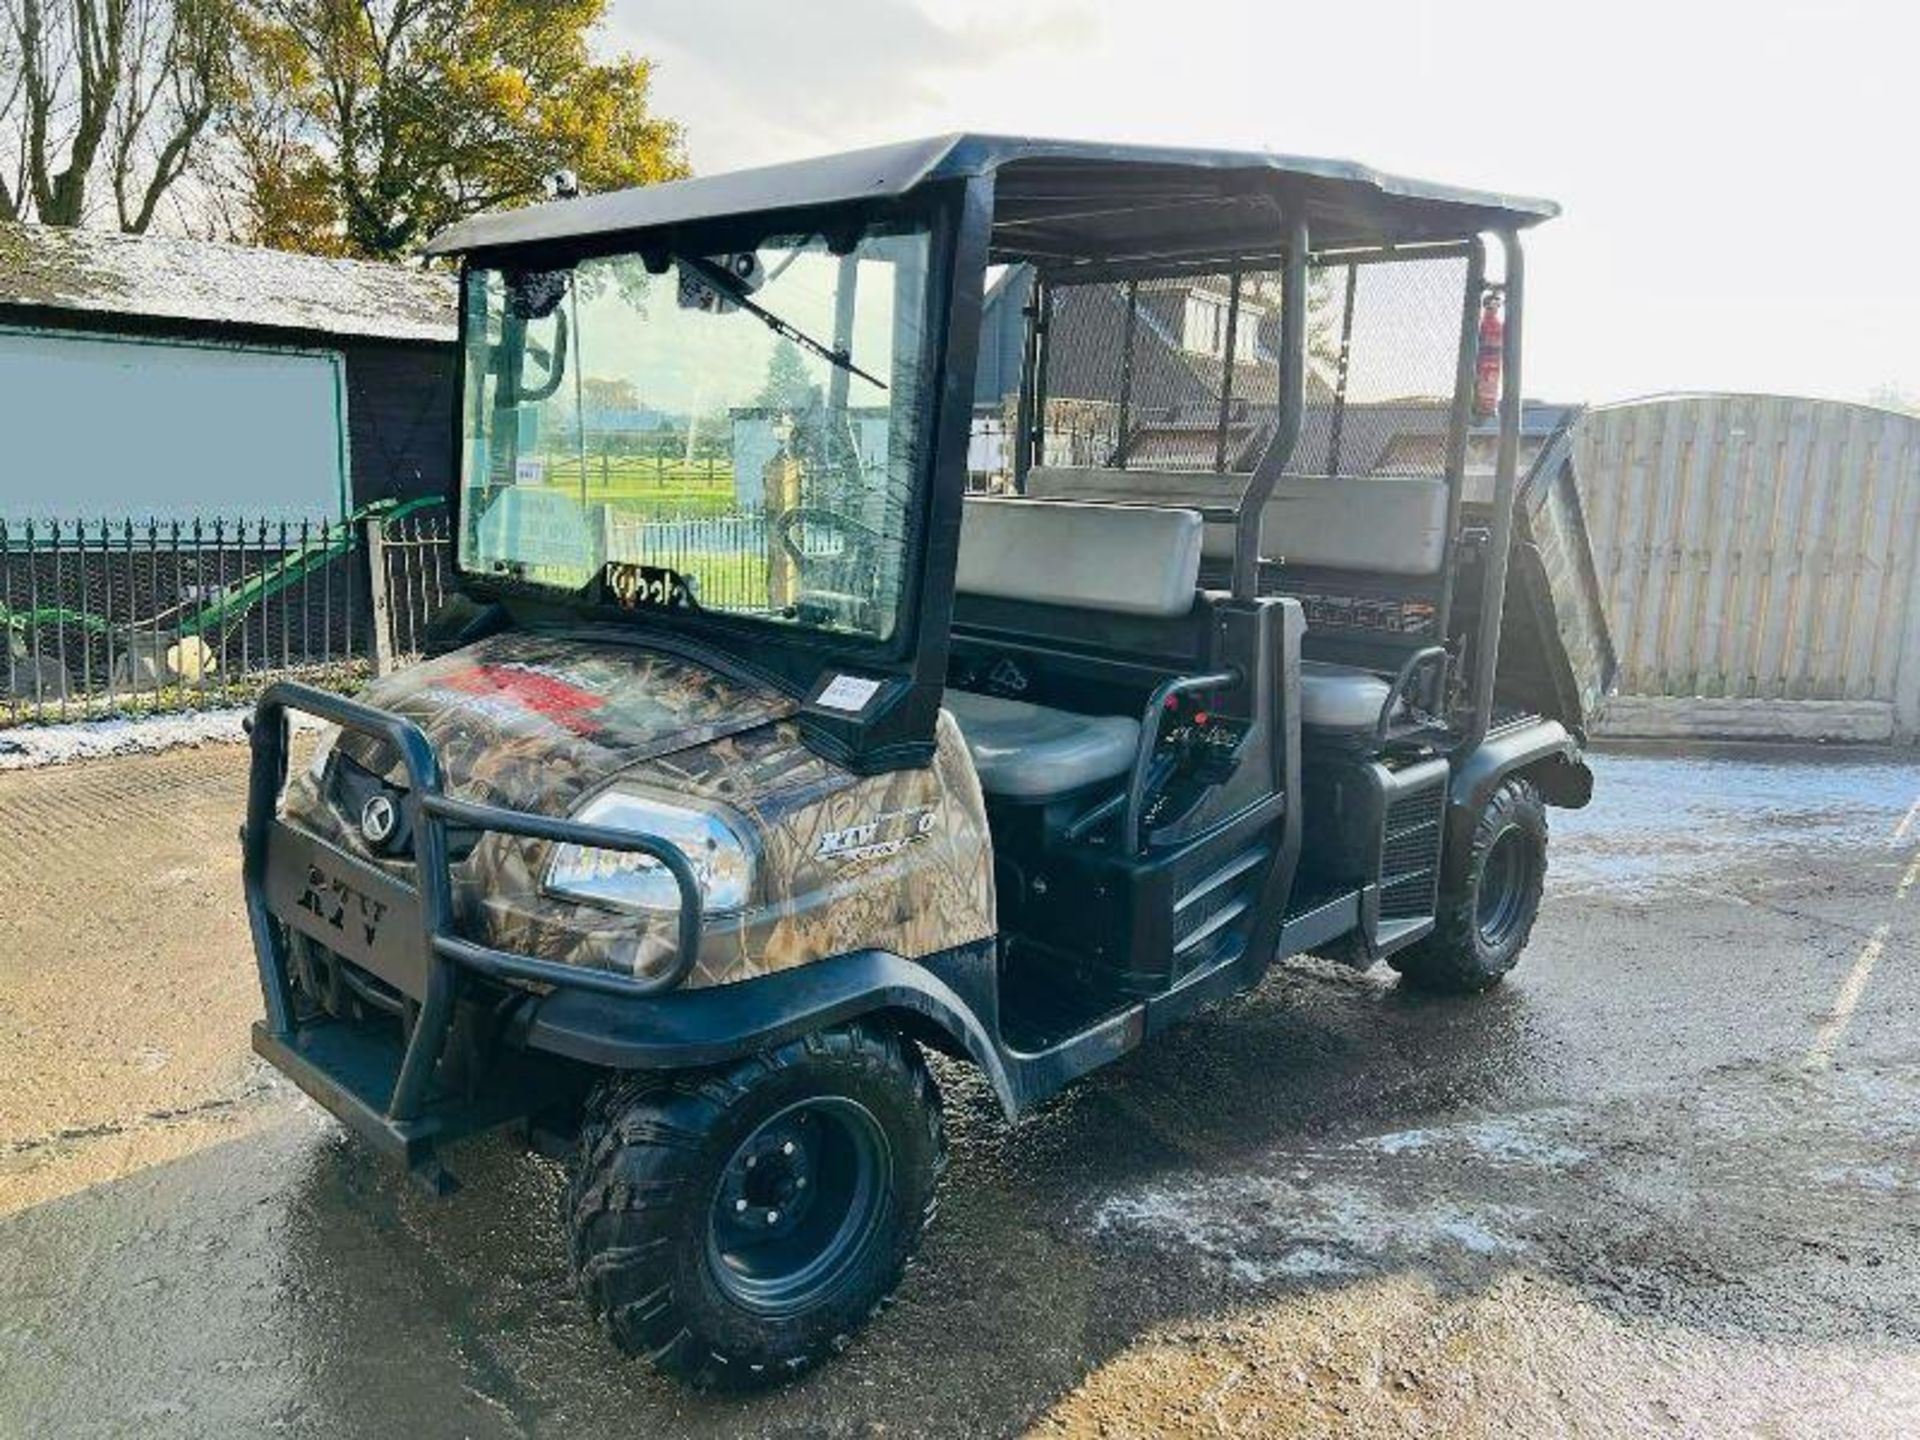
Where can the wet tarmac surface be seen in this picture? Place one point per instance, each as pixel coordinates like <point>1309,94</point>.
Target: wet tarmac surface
<point>1665,1179</point>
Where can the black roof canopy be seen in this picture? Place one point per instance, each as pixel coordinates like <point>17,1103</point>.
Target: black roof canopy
<point>1057,202</point>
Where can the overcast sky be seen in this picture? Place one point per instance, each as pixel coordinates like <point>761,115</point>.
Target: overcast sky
<point>1692,143</point>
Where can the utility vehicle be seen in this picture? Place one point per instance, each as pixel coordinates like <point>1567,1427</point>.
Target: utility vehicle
<point>721,801</point>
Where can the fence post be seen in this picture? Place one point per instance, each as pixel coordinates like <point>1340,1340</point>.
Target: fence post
<point>1906,673</point>
<point>609,545</point>
<point>379,610</point>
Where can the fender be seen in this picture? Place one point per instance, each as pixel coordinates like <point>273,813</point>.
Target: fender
<point>691,1028</point>
<point>1543,749</point>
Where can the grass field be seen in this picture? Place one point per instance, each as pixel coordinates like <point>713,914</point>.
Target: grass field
<point>649,488</point>
<point>680,515</point>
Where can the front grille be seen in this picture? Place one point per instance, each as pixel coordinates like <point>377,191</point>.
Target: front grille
<point>1410,856</point>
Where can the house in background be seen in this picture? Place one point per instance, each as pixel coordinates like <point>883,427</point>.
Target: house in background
<point>1180,377</point>
<point>149,376</point>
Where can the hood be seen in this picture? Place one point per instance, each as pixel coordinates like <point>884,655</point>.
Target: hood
<point>532,722</point>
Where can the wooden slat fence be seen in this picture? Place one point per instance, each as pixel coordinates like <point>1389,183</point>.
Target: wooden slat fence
<point>1758,547</point>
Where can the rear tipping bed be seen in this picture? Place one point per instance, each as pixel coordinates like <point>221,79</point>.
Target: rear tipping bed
<point>1556,653</point>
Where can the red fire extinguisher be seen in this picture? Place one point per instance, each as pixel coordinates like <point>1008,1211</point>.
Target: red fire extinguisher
<point>1486,380</point>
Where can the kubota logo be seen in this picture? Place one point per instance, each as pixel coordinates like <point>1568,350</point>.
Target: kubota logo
<point>379,817</point>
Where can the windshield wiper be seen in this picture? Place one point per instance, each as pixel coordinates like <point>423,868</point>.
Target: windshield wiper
<point>723,283</point>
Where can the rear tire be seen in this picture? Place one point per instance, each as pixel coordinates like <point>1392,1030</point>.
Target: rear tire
<point>736,1226</point>
<point>1488,901</point>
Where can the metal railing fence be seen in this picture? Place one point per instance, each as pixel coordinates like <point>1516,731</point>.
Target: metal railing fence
<point>411,556</point>
<point>114,617</point>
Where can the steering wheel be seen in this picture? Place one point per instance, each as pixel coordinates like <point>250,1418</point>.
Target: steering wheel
<point>553,361</point>
<point>841,579</point>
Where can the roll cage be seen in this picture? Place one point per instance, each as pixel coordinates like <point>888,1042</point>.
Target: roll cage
<point>1075,213</point>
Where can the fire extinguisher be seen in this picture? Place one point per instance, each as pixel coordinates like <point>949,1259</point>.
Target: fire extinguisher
<point>1486,378</point>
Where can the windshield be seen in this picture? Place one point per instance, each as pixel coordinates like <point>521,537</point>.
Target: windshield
<point>736,433</point>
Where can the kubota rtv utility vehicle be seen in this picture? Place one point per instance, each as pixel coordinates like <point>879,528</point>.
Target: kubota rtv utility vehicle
<point>757,757</point>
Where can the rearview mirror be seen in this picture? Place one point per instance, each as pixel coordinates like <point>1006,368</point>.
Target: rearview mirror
<point>716,286</point>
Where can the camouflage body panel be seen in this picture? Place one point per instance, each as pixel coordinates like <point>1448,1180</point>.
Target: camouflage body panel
<point>842,862</point>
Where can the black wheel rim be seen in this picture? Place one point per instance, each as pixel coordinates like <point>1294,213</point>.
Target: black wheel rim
<point>798,1203</point>
<point>1504,880</point>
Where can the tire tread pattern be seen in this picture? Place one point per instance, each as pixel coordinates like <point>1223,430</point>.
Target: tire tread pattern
<point>1454,958</point>
<point>643,1140</point>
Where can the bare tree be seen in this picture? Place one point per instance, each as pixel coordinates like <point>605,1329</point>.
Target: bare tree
<point>112,91</point>
<point>180,64</point>
<point>12,82</point>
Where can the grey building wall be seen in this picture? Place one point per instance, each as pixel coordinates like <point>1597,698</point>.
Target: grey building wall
<point>399,410</point>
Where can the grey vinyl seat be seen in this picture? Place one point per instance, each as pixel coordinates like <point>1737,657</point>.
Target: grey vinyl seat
<point>1134,560</point>
<point>1341,697</point>
<point>1391,524</point>
<point>1034,752</point>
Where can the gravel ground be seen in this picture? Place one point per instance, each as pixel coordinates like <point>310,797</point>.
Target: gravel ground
<point>1666,1179</point>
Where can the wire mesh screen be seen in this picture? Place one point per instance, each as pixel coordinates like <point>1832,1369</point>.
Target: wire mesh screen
<point>1383,348</point>
<point>1170,373</point>
<point>1183,373</point>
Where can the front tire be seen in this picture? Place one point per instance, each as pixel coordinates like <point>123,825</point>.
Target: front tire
<point>1488,900</point>
<point>736,1226</point>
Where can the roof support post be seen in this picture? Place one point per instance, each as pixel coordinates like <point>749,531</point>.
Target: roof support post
<point>1493,584</point>
<point>1286,434</point>
<point>1459,419</point>
<point>1042,358</point>
<point>1029,381</point>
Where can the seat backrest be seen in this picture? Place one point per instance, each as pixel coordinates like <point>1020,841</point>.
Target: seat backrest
<point>1389,524</point>
<point>1127,559</point>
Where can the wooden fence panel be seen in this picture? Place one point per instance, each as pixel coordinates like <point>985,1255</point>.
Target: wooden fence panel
<point>1758,547</point>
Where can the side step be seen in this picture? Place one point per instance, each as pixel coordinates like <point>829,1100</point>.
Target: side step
<point>350,1069</point>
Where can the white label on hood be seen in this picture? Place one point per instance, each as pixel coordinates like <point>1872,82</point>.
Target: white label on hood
<point>847,692</point>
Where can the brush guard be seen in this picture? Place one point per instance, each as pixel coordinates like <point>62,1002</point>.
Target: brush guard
<point>403,933</point>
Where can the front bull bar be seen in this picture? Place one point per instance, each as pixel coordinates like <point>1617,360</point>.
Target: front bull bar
<point>429,811</point>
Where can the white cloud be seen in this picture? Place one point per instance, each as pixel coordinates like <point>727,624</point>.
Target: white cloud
<point>1694,145</point>
<point>761,80</point>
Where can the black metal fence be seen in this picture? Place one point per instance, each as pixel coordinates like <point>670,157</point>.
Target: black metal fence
<point>412,556</point>
<point>122,617</point>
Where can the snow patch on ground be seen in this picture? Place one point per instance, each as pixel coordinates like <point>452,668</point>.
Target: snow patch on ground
<point>25,747</point>
<point>1537,1139</point>
<point>1261,1228</point>
<point>1862,1177</point>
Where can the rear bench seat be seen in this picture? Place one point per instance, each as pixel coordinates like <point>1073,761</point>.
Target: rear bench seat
<point>1387,524</point>
<point>1127,560</point>
<point>1395,525</point>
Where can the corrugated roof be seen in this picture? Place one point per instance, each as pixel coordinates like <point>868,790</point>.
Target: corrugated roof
<point>162,277</point>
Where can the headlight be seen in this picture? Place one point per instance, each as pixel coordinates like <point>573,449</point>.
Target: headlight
<point>323,752</point>
<point>719,857</point>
